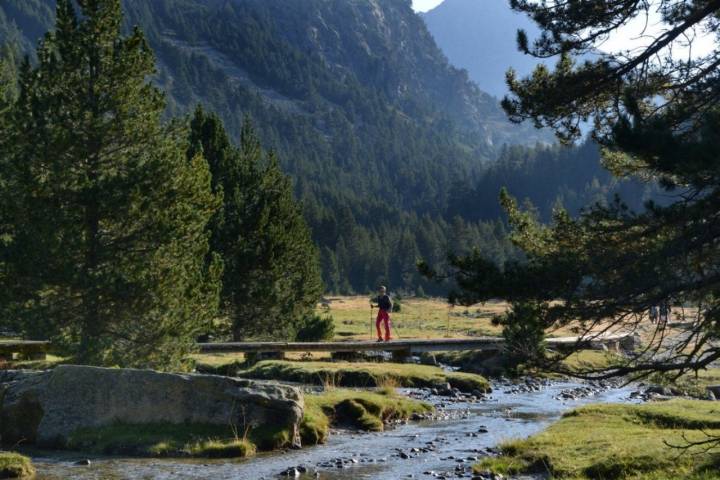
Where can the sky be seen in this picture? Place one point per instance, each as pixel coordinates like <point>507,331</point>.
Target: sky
<point>425,5</point>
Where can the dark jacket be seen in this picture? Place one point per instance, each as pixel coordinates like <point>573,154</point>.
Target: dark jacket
<point>384,302</point>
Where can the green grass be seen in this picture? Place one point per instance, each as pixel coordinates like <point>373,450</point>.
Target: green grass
<point>694,384</point>
<point>170,440</point>
<point>359,374</point>
<point>495,364</point>
<point>14,465</point>
<point>590,359</point>
<point>613,442</point>
<point>364,410</point>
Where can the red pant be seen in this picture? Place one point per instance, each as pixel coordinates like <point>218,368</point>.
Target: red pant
<point>383,315</point>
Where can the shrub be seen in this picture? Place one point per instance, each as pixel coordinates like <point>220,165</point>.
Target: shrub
<point>524,332</point>
<point>316,328</point>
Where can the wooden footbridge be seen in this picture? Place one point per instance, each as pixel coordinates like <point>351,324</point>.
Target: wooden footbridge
<point>410,347</point>
<point>27,349</point>
<point>23,349</point>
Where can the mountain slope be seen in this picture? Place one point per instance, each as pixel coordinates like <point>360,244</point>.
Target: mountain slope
<point>363,109</point>
<point>480,36</point>
<point>352,90</point>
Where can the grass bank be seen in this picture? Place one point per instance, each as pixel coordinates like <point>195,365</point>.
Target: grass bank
<point>363,374</point>
<point>495,364</point>
<point>14,465</point>
<point>613,442</point>
<point>364,410</point>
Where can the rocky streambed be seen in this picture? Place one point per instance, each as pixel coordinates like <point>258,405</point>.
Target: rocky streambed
<point>464,429</point>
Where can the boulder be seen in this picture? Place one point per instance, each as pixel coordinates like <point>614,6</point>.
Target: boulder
<point>631,342</point>
<point>46,408</point>
<point>713,392</point>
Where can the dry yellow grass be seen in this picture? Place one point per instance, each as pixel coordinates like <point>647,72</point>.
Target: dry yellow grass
<point>418,318</point>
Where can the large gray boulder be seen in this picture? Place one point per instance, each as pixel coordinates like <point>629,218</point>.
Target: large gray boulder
<point>45,408</point>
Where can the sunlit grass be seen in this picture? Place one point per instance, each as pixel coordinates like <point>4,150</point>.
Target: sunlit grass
<point>14,465</point>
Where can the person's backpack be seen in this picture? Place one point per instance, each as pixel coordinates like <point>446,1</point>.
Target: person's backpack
<point>385,303</point>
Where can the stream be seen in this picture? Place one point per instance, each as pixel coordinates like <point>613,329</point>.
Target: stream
<point>444,447</point>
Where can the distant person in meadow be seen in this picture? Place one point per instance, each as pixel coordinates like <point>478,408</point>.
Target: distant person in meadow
<point>665,310</point>
<point>653,314</point>
<point>384,305</point>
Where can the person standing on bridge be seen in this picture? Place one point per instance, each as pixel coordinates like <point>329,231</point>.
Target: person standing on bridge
<point>384,305</point>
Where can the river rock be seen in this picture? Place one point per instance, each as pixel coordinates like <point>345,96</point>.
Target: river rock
<point>45,408</point>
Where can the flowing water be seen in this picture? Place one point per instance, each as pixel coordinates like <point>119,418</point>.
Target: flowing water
<point>440,448</point>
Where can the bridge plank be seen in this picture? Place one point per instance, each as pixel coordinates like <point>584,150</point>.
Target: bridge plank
<point>423,345</point>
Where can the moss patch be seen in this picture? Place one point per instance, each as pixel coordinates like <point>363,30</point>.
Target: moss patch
<point>14,465</point>
<point>612,442</point>
<point>350,374</point>
<point>358,409</point>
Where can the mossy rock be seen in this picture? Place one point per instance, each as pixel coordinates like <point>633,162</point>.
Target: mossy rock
<point>364,375</point>
<point>354,413</point>
<point>364,410</point>
<point>53,408</point>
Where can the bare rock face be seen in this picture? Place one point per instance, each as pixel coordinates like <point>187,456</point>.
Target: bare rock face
<point>45,408</point>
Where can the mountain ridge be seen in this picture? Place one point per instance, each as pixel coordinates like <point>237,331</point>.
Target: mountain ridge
<point>480,37</point>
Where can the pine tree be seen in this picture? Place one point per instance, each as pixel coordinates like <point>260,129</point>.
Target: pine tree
<point>109,251</point>
<point>271,278</point>
<point>8,92</point>
<point>8,79</point>
<point>657,114</point>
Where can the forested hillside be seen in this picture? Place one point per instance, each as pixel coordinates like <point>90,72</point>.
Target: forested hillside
<point>387,143</point>
<point>549,177</point>
<point>366,114</point>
